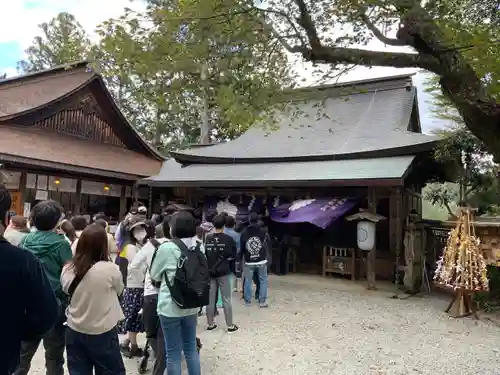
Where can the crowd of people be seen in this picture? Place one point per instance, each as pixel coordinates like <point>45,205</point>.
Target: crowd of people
<point>64,289</point>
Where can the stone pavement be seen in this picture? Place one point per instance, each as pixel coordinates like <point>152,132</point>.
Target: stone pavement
<point>317,326</point>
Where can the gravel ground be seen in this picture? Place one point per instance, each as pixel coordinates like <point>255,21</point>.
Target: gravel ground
<point>334,327</point>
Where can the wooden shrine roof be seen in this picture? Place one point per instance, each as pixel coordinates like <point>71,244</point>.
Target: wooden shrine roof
<point>371,118</point>
<point>31,94</point>
<point>41,148</point>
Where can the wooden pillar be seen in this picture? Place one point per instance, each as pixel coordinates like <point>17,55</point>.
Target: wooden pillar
<point>372,255</point>
<point>396,219</point>
<point>22,190</point>
<point>135,194</point>
<point>150,200</point>
<point>78,198</point>
<point>123,203</point>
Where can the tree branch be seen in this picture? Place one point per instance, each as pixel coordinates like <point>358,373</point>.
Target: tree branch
<point>357,56</point>
<point>306,22</point>
<point>378,34</point>
<point>448,208</point>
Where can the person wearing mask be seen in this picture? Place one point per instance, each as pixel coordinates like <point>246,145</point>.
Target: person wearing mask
<point>178,325</point>
<point>113,249</point>
<point>54,252</point>
<point>17,230</point>
<point>141,266</point>
<point>230,230</point>
<point>93,283</point>
<point>79,223</point>
<point>135,236</point>
<point>120,233</point>
<point>254,256</point>
<point>24,319</point>
<point>220,250</point>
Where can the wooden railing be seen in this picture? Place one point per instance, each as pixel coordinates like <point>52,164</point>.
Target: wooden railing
<point>338,260</point>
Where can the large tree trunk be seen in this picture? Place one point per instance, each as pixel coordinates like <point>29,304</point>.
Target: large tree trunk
<point>480,113</point>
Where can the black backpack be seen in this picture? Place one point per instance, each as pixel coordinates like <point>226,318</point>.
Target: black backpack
<point>191,285</point>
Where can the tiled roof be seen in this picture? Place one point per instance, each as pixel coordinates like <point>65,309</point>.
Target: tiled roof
<point>336,122</point>
<point>40,147</point>
<point>349,172</point>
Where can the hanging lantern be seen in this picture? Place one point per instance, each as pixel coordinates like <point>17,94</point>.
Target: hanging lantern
<point>366,232</point>
<point>366,235</point>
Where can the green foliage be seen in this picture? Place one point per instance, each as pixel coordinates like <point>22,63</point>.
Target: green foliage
<point>469,164</point>
<point>170,65</point>
<point>434,211</point>
<point>62,41</point>
<point>490,301</point>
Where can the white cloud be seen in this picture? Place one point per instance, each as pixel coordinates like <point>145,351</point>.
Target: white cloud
<point>21,19</point>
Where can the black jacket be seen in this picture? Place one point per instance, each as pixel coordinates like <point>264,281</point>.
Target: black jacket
<point>32,308</point>
<point>253,244</point>
<point>220,250</point>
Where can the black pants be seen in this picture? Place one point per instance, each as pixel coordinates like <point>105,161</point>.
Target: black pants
<point>88,352</point>
<point>54,345</point>
<point>154,333</point>
<point>284,261</point>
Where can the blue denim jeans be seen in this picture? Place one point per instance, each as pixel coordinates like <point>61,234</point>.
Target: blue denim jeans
<point>88,352</point>
<point>180,335</point>
<point>247,287</point>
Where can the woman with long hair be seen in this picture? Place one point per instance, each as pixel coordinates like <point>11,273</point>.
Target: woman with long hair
<point>93,284</point>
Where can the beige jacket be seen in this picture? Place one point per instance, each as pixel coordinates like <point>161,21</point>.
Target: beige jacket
<point>94,307</point>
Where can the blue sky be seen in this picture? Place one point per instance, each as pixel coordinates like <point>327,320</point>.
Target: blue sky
<point>21,19</point>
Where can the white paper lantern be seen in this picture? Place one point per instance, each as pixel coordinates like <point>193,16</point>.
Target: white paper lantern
<point>366,235</point>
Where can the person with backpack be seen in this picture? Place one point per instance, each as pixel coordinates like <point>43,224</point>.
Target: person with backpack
<point>54,252</point>
<point>93,284</point>
<point>220,249</point>
<point>181,267</point>
<point>254,255</point>
<point>141,267</point>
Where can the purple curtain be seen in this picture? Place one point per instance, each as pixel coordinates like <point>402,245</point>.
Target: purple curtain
<point>319,212</point>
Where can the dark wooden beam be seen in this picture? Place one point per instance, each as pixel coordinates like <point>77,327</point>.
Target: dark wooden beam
<point>78,197</point>
<point>64,170</point>
<point>372,255</point>
<point>389,182</point>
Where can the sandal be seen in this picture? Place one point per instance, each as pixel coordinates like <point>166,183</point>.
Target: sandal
<point>211,327</point>
<point>233,328</point>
